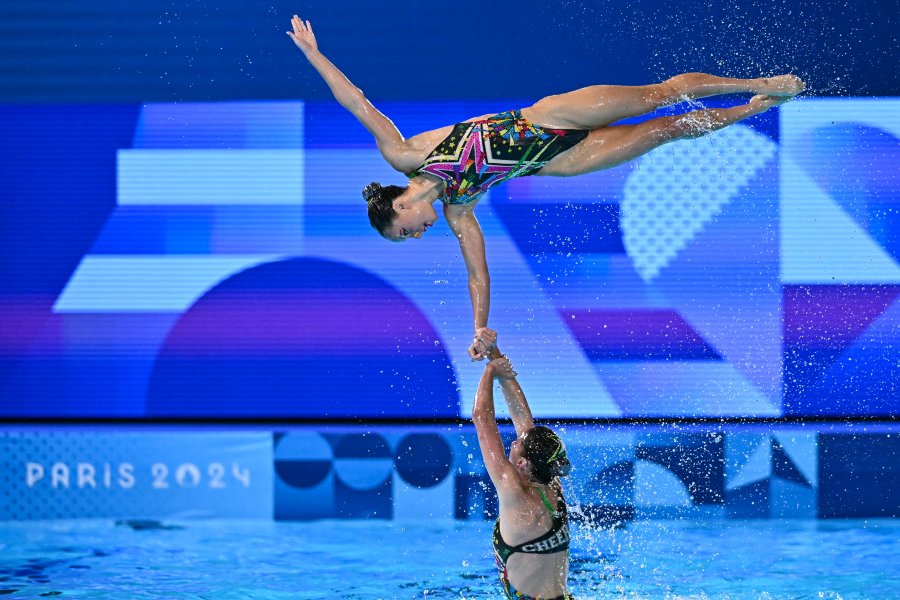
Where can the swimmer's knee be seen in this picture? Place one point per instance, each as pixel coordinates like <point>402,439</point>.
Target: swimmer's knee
<point>689,125</point>
<point>668,129</point>
<point>663,94</point>
<point>678,87</point>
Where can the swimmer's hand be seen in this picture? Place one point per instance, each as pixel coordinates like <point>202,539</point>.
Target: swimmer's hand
<point>501,368</point>
<point>303,36</point>
<point>485,340</point>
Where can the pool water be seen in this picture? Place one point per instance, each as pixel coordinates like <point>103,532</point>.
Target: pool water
<point>446,559</point>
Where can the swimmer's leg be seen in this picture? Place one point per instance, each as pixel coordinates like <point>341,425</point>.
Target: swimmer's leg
<point>613,145</point>
<point>599,105</point>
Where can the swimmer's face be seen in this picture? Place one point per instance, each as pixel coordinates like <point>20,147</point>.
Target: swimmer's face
<point>412,219</point>
<point>517,448</point>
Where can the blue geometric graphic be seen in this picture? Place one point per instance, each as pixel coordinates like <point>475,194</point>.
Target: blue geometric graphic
<point>771,475</point>
<point>656,288</point>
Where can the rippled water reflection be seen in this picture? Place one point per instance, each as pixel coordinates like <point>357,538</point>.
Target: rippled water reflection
<point>447,559</point>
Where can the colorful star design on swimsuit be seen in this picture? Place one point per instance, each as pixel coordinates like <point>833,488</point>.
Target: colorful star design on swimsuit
<point>479,155</point>
<point>519,130</point>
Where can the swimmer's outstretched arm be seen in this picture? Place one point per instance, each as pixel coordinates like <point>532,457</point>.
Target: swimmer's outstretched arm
<point>465,227</point>
<point>391,144</point>
<point>519,411</point>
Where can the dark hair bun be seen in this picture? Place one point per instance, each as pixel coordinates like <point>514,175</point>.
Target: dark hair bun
<point>371,190</point>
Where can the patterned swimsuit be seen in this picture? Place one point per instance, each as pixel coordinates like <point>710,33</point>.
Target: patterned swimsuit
<point>477,156</point>
<point>555,540</point>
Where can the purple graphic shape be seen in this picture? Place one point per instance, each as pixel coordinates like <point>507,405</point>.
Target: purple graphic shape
<point>840,352</point>
<point>637,335</point>
<point>303,338</point>
<point>832,316</point>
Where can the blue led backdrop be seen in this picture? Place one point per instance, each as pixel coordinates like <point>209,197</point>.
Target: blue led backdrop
<point>182,231</point>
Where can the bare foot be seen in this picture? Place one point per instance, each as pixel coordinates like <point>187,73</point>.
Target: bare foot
<point>761,102</point>
<point>782,85</point>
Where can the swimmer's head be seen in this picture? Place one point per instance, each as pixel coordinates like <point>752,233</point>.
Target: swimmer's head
<point>379,199</point>
<point>546,453</point>
<point>395,216</point>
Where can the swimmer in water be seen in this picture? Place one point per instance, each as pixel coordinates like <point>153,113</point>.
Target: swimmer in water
<point>559,136</point>
<point>531,537</point>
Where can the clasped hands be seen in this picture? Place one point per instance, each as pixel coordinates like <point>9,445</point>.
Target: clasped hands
<point>484,341</point>
<point>484,345</point>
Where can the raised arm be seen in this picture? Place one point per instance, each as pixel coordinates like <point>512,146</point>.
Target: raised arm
<point>468,232</point>
<point>391,144</point>
<point>500,470</point>
<point>516,403</point>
